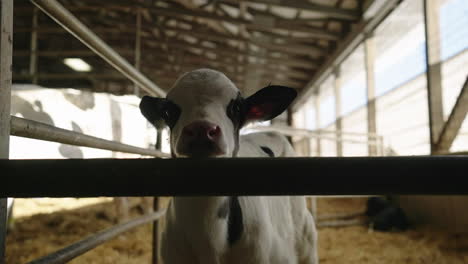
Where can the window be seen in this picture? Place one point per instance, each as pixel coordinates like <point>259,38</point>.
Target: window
<point>453,27</point>
<point>310,120</point>
<point>327,102</point>
<point>400,45</point>
<point>353,81</point>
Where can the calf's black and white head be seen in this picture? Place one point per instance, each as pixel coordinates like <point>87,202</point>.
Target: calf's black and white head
<point>205,112</point>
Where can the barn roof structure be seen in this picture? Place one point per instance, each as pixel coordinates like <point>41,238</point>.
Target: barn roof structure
<point>255,42</point>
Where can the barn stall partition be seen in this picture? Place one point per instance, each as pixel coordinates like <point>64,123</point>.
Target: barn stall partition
<point>443,174</point>
<point>32,129</point>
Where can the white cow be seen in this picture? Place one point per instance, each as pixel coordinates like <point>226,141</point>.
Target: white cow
<point>205,112</point>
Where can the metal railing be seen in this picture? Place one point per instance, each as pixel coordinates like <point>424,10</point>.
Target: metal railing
<point>76,249</point>
<point>11,125</point>
<point>338,136</point>
<point>32,129</point>
<point>52,178</point>
<point>238,176</point>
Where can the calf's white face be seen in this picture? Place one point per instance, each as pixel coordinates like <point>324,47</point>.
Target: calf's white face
<point>205,112</point>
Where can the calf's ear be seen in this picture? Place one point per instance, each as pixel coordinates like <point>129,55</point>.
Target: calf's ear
<point>269,102</point>
<point>159,111</point>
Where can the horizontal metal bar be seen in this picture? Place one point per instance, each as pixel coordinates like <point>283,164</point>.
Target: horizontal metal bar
<point>430,175</point>
<point>457,153</point>
<point>300,131</point>
<point>76,249</point>
<point>304,133</point>
<point>32,129</point>
<point>68,21</point>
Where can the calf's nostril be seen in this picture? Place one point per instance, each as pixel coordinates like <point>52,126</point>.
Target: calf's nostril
<point>213,132</point>
<point>202,130</point>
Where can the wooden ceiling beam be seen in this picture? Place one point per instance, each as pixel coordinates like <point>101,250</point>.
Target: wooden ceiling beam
<point>187,58</point>
<point>329,11</point>
<point>287,47</point>
<point>274,23</point>
<point>226,51</point>
<point>180,12</point>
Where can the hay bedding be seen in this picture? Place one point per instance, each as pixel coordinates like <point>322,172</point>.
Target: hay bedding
<point>40,234</point>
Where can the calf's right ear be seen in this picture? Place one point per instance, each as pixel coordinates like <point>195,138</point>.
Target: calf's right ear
<point>269,102</point>
<point>157,111</point>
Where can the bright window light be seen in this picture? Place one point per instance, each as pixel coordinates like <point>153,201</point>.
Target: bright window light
<point>77,64</point>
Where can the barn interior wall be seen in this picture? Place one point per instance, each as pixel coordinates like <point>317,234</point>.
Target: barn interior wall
<point>402,114</point>
<point>355,122</point>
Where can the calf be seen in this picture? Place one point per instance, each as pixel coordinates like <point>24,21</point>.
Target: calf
<point>205,112</point>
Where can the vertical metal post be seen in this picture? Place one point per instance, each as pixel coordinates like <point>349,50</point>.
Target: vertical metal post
<point>338,123</point>
<point>317,120</point>
<point>433,71</point>
<point>33,48</point>
<point>156,233</point>
<point>136,89</point>
<point>6,53</point>
<point>156,207</point>
<point>159,131</point>
<point>289,121</point>
<point>369,53</point>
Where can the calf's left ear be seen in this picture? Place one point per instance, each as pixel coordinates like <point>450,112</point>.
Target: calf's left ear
<point>269,102</point>
<point>159,111</point>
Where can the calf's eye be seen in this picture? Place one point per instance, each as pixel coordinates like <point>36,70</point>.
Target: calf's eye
<point>170,113</point>
<point>235,111</point>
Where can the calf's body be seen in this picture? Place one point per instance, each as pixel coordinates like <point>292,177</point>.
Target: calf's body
<point>205,112</point>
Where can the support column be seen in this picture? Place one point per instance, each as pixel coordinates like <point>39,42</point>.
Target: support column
<point>369,51</point>
<point>156,207</point>
<point>433,73</point>
<point>156,234</point>
<point>338,125</point>
<point>454,122</point>
<point>317,120</point>
<point>136,89</point>
<point>289,121</point>
<point>33,48</point>
<point>6,53</point>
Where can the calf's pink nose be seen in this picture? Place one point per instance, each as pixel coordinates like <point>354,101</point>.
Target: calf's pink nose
<point>202,130</point>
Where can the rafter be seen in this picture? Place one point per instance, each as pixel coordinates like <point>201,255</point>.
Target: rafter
<point>286,60</point>
<point>329,11</point>
<point>181,12</point>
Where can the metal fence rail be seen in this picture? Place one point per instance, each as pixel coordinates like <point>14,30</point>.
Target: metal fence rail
<point>372,139</point>
<point>37,130</point>
<point>290,131</point>
<point>157,177</point>
<point>78,248</point>
<point>317,132</point>
<point>10,125</point>
<point>239,176</point>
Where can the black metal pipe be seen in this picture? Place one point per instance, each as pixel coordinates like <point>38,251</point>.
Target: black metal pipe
<point>239,176</point>
<point>77,249</point>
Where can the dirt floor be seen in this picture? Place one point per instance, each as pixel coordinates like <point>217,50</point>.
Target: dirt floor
<point>45,225</point>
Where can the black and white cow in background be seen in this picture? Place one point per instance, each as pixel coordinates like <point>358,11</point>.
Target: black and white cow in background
<point>205,112</point>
